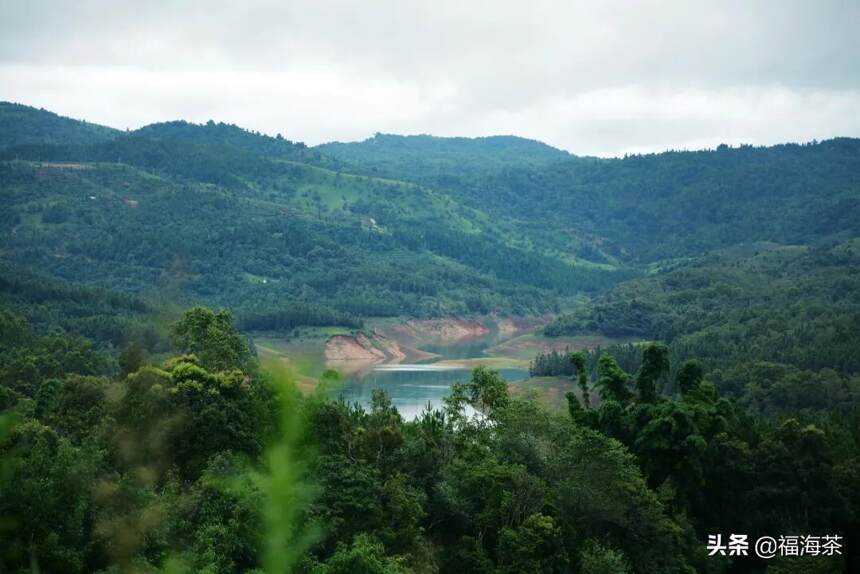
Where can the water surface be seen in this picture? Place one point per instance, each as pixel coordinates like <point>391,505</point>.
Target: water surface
<point>414,387</point>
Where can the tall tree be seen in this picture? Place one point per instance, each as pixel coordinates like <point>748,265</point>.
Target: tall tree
<point>655,363</point>
<point>210,335</point>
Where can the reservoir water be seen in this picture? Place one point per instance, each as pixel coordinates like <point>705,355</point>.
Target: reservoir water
<point>412,387</point>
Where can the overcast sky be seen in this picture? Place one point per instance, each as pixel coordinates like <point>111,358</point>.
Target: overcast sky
<point>593,77</point>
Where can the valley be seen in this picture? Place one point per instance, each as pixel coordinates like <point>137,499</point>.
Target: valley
<point>416,361</point>
<point>419,354</point>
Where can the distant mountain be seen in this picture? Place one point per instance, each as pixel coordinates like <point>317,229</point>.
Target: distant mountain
<point>221,154</point>
<point>24,125</point>
<point>214,163</point>
<point>425,156</point>
<point>221,134</point>
<point>395,225</point>
<point>252,222</point>
<point>796,305</point>
<point>358,245</point>
<point>639,209</point>
<point>642,209</point>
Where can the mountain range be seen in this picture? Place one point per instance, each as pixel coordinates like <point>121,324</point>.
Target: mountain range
<point>393,225</point>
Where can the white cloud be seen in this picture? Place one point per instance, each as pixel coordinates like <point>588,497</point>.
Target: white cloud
<point>637,119</point>
<point>318,102</point>
<point>593,77</point>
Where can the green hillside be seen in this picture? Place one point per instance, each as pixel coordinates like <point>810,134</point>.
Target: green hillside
<point>139,433</point>
<point>445,226</point>
<point>107,318</point>
<point>229,135</point>
<point>794,305</point>
<point>248,221</point>
<point>425,156</point>
<point>24,125</point>
<point>642,209</point>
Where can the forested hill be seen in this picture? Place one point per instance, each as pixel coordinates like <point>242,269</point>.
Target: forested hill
<point>135,438</point>
<point>253,222</point>
<point>426,156</point>
<point>641,209</point>
<point>394,225</point>
<point>793,305</point>
<point>229,135</point>
<point>23,125</point>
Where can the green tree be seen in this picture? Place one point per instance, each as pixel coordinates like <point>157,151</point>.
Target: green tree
<point>210,335</point>
<point>486,390</point>
<point>534,547</point>
<point>363,556</point>
<point>132,358</point>
<point>578,361</point>
<point>217,412</point>
<point>689,376</point>
<point>655,363</point>
<point>612,380</point>
<point>595,558</point>
<point>46,500</point>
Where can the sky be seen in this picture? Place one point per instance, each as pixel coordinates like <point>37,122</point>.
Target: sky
<point>595,77</point>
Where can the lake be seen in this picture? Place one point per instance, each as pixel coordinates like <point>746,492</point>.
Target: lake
<point>412,387</point>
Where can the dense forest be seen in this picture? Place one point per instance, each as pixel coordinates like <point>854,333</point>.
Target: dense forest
<point>140,433</point>
<point>23,125</point>
<point>784,320</point>
<point>230,217</point>
<point>645,208</point>
<point>203,463</point>
<point>797,305</point>
<point>426,156</point>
